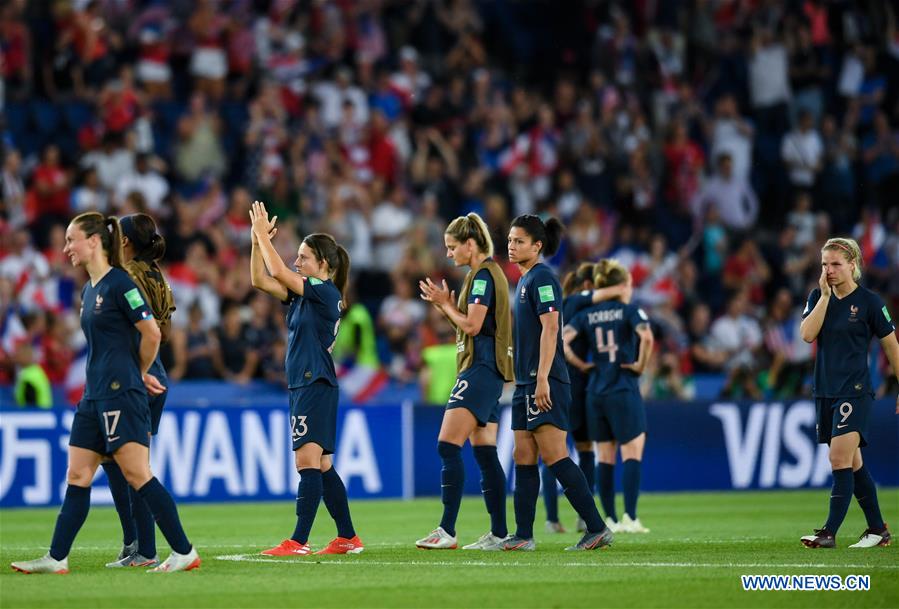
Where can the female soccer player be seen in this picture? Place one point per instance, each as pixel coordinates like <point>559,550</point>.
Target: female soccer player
<point>484,363</point>
<point>142,248</point>
<point>314,295</point>
<point>620,342</point>
<point>542,394</point>
<point>113,417</point>
<point>843,316</point>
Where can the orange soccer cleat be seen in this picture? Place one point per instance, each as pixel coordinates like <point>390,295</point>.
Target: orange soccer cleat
<point>342,545</point>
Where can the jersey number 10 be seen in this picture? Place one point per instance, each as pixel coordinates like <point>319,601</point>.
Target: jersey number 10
<point>608,345</point>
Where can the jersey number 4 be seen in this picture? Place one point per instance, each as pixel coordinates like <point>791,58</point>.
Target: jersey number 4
<point>608,345</point>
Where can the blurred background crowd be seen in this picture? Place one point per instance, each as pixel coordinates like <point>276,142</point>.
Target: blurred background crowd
<point>710,145</point>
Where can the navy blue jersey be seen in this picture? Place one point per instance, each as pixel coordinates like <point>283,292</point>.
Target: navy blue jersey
<point>611,329</point>
<point>538,292</point>
<point>571,306</point>
<point>483,293</point>
<point>109,311</point>
<point>312,322</point>
<point>841,364</point>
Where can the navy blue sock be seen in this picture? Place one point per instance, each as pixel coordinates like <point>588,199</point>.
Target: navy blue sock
<point>527,487</point>
<point>121,497</point>
<point>587,462</point>
<point>631,483</point>
<point>606,482</point>
<point>866,494</point>
<point>493,486</point>
<point>840,498</point>
<point>72,514</point>
<point>550,493</point>
<point>334,494</point>
<point>309,495</point>
<point>165,513</point>
<point>452,481</point>
<point>146,527</point>
<point>579,495</point>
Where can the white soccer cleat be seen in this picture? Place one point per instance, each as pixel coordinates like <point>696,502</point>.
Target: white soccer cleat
<point>488,542</point>
<point>870,539</point>
<point>178,562</point>
<point>44,564</point>
<point>437,540</point>
<point>627,525</point>
<point>615,527</point>
<point>580,526</point>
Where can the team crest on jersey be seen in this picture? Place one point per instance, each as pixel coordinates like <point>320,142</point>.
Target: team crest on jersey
<point>523,291</point>
<point>853,313</point>
<point>99,302</point>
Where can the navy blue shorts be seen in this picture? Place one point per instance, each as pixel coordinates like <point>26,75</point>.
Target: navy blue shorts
<point>526,416</point>
<point>838,416</point>
<point>313,416</point>
<point>104,426</point>
<point>618,416</point>
<point>578,411</point>
<point>478,389</point>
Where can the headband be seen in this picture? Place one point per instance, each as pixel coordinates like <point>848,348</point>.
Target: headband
<point>842,247</point>
<point>126,223</point>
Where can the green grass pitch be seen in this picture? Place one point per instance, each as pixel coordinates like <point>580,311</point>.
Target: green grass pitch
<point>699,546</point>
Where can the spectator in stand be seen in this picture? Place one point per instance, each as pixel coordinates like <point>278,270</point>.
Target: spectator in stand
<point>802,150</point>
<point>89,194</point>
<point>746,269</point>
<point>706,356</point>
<point>738,335</point>
<point>16,50</point>
<point>769,85</point>
<point>146,180</point>
<point>12,189</point>
<point>730,195</point>
<point>50,192</point>
<point>199,151</point>
<point>398,316</point>
<point>732,134</point>
<point>56,347</point>
<point>880,159</point>
<point>235,359</point>
<point>791,357</point>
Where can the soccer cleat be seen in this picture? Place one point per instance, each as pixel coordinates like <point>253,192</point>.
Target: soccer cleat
<point>178,562</point>
<point>488,541</point>
<point>593,541</point>
<point>615,527</point>
<point>127,550</point>
<point>821,539</point>
<point>872,538</point>
<point>437,540</point>
<point>289,547</point>
<point>554,527</point>
<point>580,526</point>
<point>342,545</point>
<point>44,564</point>
<point>631,526</point>
<point>514,542</point>
<point>135,560</point>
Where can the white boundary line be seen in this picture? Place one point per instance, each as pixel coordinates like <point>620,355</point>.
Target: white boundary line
<point>592,564</point>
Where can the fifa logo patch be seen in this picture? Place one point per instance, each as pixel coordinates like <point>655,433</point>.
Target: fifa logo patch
<point>853,313</point>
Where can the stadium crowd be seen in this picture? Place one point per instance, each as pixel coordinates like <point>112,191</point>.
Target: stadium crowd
<point>712,146</point>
